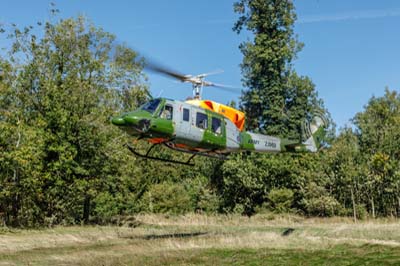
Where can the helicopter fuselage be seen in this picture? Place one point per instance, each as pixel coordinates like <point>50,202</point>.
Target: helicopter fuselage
<point>186,127</point>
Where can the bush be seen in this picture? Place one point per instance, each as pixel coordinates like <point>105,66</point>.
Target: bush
<point>167,198</point>
<point>208,201</point>
<point>203,198</point>
<point>361,212</point>
<point>281,199</point>
<point>106,207</point>
<point>322,206</point>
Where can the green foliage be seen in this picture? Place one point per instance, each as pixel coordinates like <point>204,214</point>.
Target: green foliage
<point>281,199</point>
<point>61,162</point>
<point>378,130</point>
<point>59,91</point>
<point>361,211</point>
<point>277,101</point>
<point>247,180</point>
<point>318,202</point>
<point>363,164</point>
<point>208,201</point>
<point>167,198</point>
<point>203,197</point>
<point>107,206</point>
<point>378,126</point>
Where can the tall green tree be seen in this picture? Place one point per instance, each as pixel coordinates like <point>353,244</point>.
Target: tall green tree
<point>20,156</point>
<point>277,100</point>
<point>378,126</point>
<point>66,85</point>
<point>346,171</point>
<point>378,131</point>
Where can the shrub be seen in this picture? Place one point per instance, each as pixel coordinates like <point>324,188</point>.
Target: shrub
<point>208,201</point>
<point>281,199</point>
<point>322,206</point>
<point>106,207</point>
<point>167,198</point>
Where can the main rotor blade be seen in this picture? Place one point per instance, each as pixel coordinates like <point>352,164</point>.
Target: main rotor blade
<point>196,80</point>
<point>224,87</point>
<point>218,71</point>
<point>158,68</point>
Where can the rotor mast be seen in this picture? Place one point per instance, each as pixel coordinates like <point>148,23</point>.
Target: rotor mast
<point>197,88</point>
<point>197,85</point>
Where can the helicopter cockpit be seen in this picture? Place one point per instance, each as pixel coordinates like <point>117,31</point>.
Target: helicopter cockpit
<point>151,106</point>
<point>167,112</point>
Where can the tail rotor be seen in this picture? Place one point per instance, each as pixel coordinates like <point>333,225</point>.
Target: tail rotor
<point>314,132</point>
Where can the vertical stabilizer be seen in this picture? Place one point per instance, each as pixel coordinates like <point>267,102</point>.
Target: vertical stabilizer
<point>314,133</point>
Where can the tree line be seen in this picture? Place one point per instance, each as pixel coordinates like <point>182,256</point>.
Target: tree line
<point>62,162</point>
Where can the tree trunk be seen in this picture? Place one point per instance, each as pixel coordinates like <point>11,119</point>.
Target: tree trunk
<point>398,202</point>
<point>150,203</point>
<point>86,209</point>
<point>373,207</point>
<point>15,203</point>
<point>354,205</point>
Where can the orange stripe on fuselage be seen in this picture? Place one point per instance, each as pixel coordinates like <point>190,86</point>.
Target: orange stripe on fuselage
<point>161,140</point>
<point>156,140</point>
<point>182,146</point>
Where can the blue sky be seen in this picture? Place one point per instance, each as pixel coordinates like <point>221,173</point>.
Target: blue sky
<point>351,48</point>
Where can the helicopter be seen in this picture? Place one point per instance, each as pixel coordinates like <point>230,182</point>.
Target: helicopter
<point>205,127</point>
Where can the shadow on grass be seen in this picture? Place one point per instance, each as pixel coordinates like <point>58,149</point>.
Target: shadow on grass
<point>163,236</point>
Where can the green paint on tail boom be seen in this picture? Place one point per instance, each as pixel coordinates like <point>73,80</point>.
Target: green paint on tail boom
<point>246,142</point>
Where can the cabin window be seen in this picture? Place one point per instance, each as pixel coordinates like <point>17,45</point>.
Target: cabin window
<point>201,120</point>
<point>167,112</point>
<point>150,106</point>
<point>185,114</point>
<point>216,125</point>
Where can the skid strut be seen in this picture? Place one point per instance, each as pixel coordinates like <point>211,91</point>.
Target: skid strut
<point>147,156</point>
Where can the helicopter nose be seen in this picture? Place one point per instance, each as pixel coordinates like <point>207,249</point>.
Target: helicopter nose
<point>118,121</point>
<point>131,119</point>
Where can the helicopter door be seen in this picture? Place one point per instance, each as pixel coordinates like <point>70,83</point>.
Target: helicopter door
<point>183,123</point>
<point>216,136</point>
<point>198,125</point>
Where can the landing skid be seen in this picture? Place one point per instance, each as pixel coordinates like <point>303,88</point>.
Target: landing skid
<point>210,154</point>
<point>147,156</point>
<point>206,153</point>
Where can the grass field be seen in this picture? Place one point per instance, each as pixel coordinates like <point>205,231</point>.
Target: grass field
<point>208,240</point>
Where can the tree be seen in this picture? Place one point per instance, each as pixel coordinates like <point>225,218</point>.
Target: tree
<point>345,163</point>
<point>378,126</point>
<point>65,87</point>
<point>246,180</point>
<point>20,156</point>
<point>378,131</point>
<point>266,60</point>
<point>277,100</point>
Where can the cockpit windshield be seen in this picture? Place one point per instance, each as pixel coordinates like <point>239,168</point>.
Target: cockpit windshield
<point>151,106</point>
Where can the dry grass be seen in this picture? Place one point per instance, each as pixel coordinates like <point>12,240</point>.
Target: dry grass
<point>159,237</point>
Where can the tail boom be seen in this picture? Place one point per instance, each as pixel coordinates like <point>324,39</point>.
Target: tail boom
<point>264,143</point>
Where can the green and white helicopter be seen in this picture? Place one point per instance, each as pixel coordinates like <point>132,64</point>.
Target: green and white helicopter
<point>204,127</point>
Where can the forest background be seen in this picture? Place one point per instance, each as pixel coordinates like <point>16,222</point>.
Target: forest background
<point>62,162</point>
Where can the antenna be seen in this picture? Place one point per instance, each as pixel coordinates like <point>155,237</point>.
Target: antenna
<point>160,93</point>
